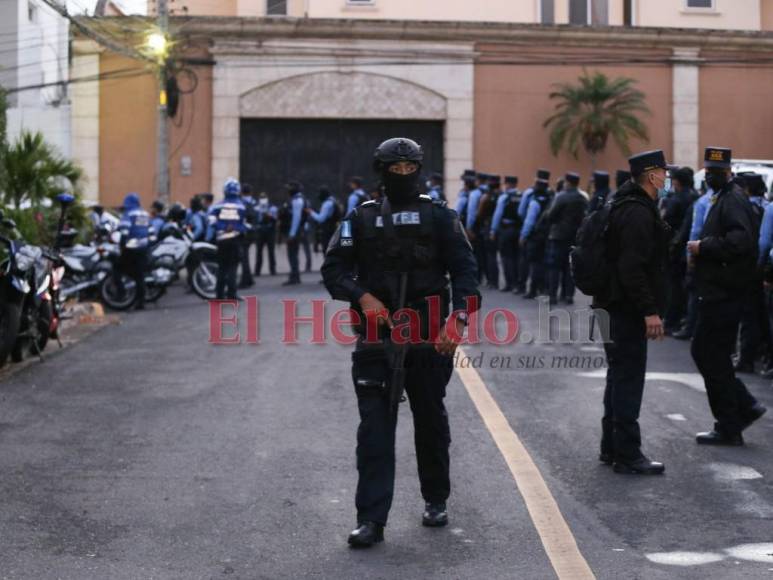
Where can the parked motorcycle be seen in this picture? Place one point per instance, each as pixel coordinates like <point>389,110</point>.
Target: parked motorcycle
<point>166,257</point>
<point>203,269</point>
<point>86,267</point>
<point>40,308</point>
<point>17,280</point>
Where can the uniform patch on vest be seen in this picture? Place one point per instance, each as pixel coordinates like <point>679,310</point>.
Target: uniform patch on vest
<point>403,218</point>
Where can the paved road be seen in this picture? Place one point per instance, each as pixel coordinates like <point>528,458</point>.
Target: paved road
<point>146,452</point>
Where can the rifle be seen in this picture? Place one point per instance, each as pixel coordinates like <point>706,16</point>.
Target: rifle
<point>396,353</point>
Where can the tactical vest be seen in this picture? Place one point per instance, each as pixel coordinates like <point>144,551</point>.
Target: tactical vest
<point>539,233</point>
<point>511,207</point>
<point>410,245</point>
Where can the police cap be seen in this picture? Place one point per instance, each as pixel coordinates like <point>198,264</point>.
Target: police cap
<point>647,161</point>
<point>718,157</point>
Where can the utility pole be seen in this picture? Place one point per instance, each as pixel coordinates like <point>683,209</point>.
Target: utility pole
<point>162,131</point>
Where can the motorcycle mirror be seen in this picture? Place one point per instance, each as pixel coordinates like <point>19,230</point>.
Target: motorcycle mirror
<point>65,198</point>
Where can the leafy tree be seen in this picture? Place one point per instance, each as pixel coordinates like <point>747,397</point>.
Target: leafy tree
<point>588,112</point>
<point>32,171</point>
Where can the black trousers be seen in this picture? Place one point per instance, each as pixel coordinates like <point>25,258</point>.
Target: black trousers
<point>134,263</point>
<point>427,374</point>
<point>523,266</point>
<point>293,249</point>
<point>479,249</point>
<point>306,244</point>
<point>492,265</point>
<point>536,257</point>
<point>559,274</point>
<point>677,296</point>
<point>712,349</point>
<point>266,239</point>
<point>754,324</point>
<point>626,349</point>
<point>228,257</point>
<point>507,240</point>
<point>244,258</point>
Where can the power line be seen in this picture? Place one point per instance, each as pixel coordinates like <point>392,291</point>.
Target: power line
<point>117,74</point>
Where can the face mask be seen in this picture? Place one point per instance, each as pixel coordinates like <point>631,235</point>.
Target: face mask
<point>716,181</point>
<point>666,189</point>
<point>401,188</point>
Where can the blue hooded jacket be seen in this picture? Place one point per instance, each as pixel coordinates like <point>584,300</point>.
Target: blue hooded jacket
<point>135,223</point>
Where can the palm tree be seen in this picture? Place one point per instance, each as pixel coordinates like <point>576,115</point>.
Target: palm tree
<point>32,170</point>
<point>589,112</point>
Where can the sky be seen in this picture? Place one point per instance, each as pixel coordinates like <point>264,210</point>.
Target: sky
<point>130,6</point>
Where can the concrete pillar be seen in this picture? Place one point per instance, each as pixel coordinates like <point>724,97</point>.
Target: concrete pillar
<point>686,107</point>
<point>561,11</point>
<point>85,115</point>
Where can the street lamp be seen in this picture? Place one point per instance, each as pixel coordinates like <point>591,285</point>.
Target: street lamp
<point>157,44</point>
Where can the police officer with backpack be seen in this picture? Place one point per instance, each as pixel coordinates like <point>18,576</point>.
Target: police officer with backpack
<point>403,251</point>
<point>534,236</point>
<point>505,228</point>
<point>625,271</point>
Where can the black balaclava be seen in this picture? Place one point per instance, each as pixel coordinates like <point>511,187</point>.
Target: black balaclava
<point>400,189</point>
<point>716,180</point>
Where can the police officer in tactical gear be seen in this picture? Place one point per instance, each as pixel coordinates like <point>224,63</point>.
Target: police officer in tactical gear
<point>228,220</point>
<point>725,259</point>
<point>402,251</point>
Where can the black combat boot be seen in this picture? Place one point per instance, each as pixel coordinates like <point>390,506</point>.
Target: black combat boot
<point>754,413</point>
<point>641,466</point>
<point>435,515</point>
<point>366,534</point>
<point>719,438</point>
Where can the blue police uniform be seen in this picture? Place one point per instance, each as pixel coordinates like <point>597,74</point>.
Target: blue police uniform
<point>461,205</point>
<point>505,229</point>
<point>297,223</point>
<point>249,206</point>
<point>533,240</point>
<point>227,219</point>
<point>357,197</point>
<point>135,229</point>
<point>267,215</point>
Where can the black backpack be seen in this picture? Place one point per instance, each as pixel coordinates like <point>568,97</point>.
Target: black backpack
<point>589,260</point>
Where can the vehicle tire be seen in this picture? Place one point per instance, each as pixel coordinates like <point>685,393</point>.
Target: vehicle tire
<point>153,293</point>
<point>43,330</point>
<point>108,290</point>
<point>10,316</point>
<point>204,279</point>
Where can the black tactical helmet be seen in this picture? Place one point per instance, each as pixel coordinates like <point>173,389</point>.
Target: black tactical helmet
<point>397,149</point>
<point>176,213</point>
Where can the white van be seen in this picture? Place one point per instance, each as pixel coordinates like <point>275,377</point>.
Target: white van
<point>764,168</point>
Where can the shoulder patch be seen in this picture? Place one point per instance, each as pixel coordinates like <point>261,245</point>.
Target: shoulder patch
<point>425,197</point>
<point>369,202</point>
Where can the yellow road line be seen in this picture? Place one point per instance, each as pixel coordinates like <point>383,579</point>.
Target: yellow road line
<point>554,532</point>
